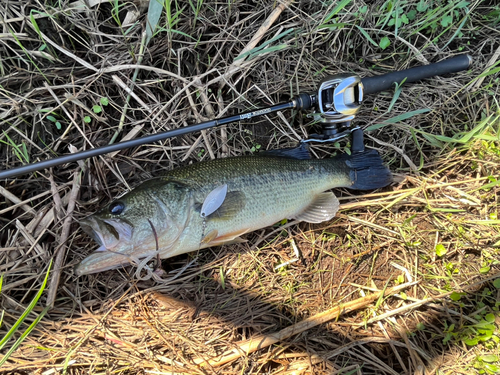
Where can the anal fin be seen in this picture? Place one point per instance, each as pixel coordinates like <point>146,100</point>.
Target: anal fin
<point>323,208</point>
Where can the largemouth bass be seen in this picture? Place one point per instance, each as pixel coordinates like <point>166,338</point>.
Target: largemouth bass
<point>171,214</point>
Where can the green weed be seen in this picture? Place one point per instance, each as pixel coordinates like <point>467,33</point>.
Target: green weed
<point>20,150</point>
<point>98,107</point>
<point>487,364</point>
<point>434,18</point>
<point>37,30</point>
<point>196,10</point>
<point>172,14</point>
<point>52,117</point>
<point>115,11</point>
<point>21,319</point>
<point>481,328</point>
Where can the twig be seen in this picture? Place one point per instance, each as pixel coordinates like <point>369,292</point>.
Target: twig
<point>30,239</point>
<point>369,224</point>
<point>493,59</point>
<point>260,33</point>
<point>415,358</point>
<point>403,309</point>
<point>72,120</point>
<point>60,251</point>
<point>240,63</point>
<point>134,78</point>
<point>11,197</point>
<point>412,165</point>
<point>130,92</point>
<point>29,200</point>
<point>422,302</point>
<point>263,341</point>
<point>58,205</point>
<point>200,118</point>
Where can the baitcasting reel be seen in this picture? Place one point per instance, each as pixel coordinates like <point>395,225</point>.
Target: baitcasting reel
<point>339,98</point>
<point>338,101</point>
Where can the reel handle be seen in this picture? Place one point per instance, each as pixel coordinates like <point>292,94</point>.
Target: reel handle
<point>385,81</point>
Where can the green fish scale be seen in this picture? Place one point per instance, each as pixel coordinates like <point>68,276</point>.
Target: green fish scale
<point>274,189</point>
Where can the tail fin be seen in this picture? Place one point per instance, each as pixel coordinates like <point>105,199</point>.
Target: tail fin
<point>367,170</point>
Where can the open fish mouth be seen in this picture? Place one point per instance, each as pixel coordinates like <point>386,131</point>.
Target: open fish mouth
<point>108,233</point>
<point>115,246</point>
<point>95,234</point>
<point>114,238</point>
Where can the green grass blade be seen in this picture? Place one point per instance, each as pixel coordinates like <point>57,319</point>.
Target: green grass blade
<point>458,30</point>
<point>419,148</point>
<point>396,119</point>
<point>336,10</point>
<point>19,153</point>
<point>490,71</point>
<point>462,138</point>
<point>397,93</point>
<point>333,26</point>
<point>254,51</point>
<point>432,141</point>
<point>23,336</point>
<point>368,37</point>
<point>28,310</point>
<point>491,185</point>
<point>176,32</point>
<point>486,122</point>
<point>154,13</point>
<point>382,296</point>
<point>270,49</point>
<point>486,137</point>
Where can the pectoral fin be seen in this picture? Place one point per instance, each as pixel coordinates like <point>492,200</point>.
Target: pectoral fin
<point>323,208</point>
<point>226,239</point>
<point>234,202</point>
<point>212,235</point>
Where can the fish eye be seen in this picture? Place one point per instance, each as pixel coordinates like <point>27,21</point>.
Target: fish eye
<point>116,208</point>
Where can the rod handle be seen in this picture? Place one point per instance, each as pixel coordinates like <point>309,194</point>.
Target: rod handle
<point>385,81</point>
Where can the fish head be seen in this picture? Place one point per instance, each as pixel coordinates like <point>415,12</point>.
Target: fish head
<point>146,221</point>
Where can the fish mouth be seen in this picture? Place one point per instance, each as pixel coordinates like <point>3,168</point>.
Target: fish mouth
<point>95,235</point>
<point>115,246</point>
<point>108,233</point>
<point>114,238</point>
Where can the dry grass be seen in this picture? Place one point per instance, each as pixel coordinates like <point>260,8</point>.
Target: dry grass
<point>62,61</point>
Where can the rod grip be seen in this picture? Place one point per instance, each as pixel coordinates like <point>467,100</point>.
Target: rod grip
<point>385,81</point>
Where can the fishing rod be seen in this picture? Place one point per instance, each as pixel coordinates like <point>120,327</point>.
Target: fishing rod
<point>336,103</point>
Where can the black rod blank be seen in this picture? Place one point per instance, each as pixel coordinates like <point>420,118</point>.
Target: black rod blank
<point>28,168</point>
<point>302,101</point>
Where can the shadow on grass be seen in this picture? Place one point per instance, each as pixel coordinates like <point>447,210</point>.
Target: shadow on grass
<point>214,306</point>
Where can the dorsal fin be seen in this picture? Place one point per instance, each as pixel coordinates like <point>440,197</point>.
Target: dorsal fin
<point>301,152</point>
